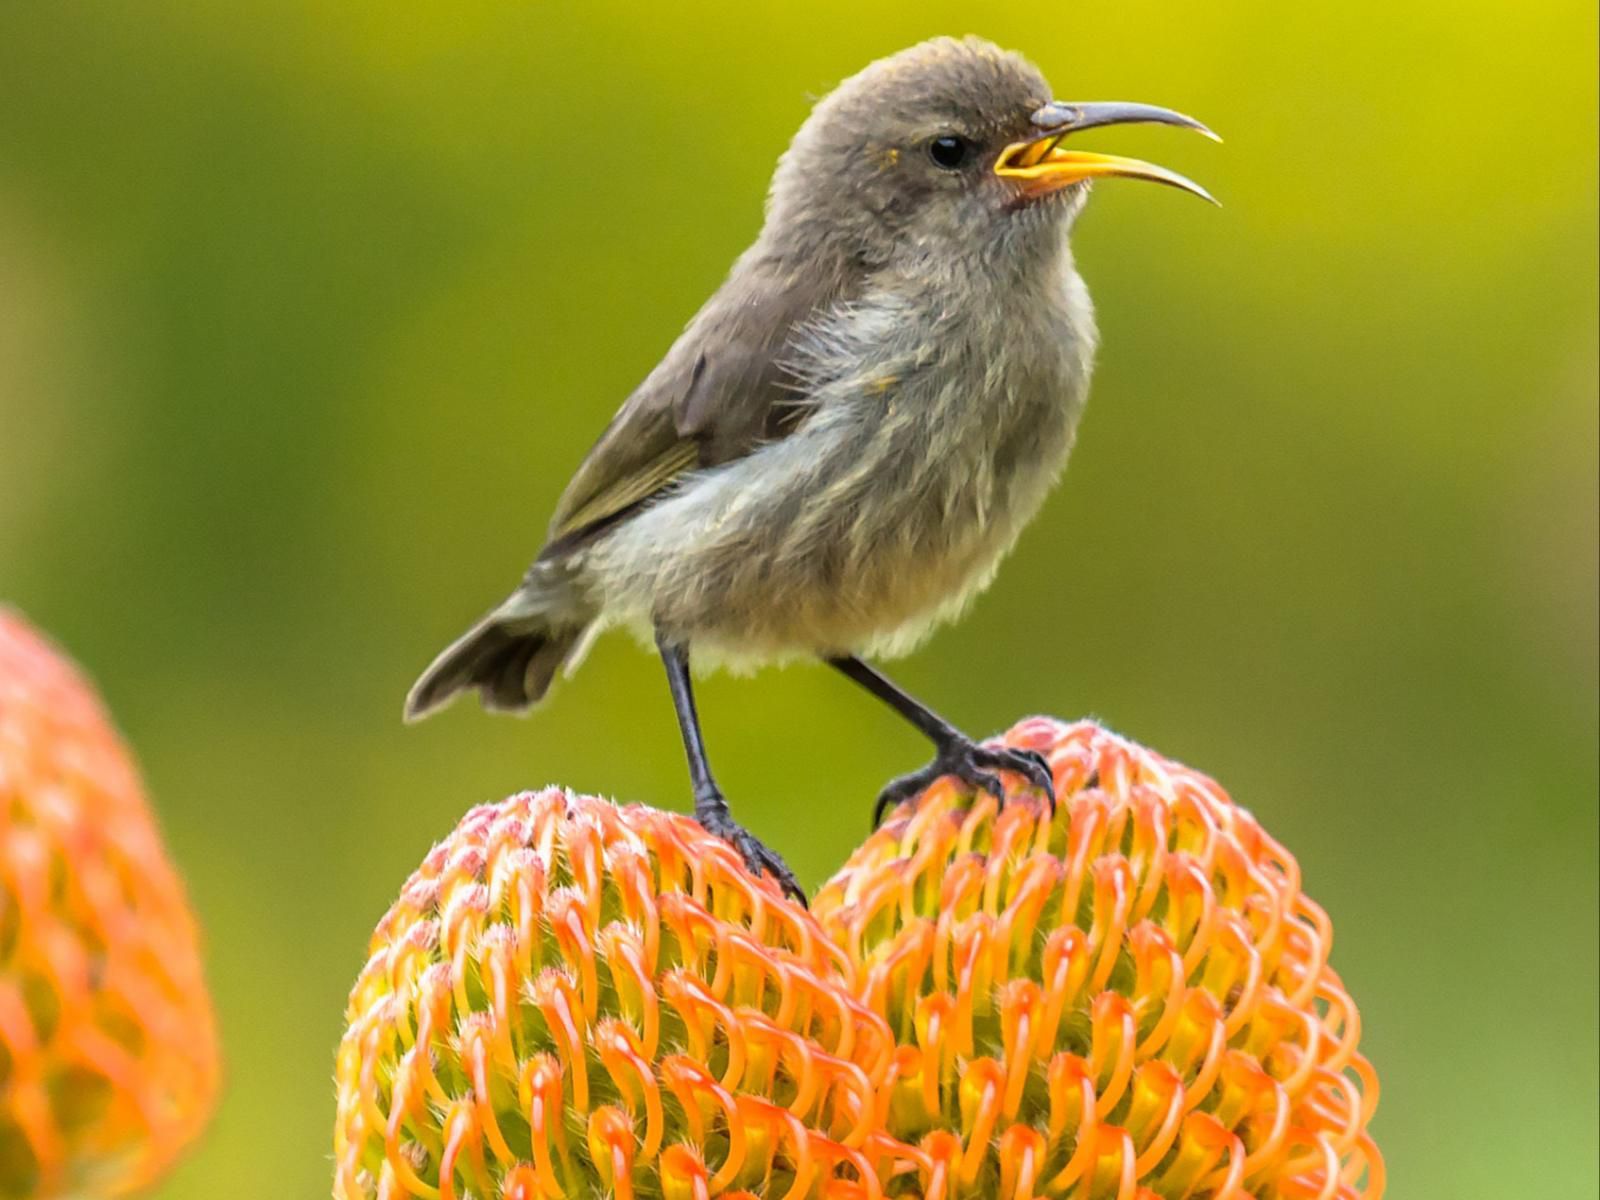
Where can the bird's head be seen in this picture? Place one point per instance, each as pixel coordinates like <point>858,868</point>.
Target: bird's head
<point>951,149</point>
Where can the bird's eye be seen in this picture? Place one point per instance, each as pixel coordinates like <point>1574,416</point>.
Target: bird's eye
<point>948,151</point>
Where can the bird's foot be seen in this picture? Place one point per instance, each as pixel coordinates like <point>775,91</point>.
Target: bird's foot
<point>715,818</point>
<point>976,766</point>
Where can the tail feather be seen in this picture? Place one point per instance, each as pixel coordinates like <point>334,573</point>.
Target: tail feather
<point>511,661</point>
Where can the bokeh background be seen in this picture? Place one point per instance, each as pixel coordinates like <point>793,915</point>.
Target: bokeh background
<point>307,310</point>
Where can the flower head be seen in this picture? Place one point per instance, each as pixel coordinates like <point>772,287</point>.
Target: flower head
<point>108,1059</point>
<point>1129,999</point>
<point>571,999</point>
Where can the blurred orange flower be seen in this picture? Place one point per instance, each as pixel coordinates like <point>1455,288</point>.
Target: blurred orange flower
<point>108,1058</point>
<point>574,999</point>
<point>1131,999</point>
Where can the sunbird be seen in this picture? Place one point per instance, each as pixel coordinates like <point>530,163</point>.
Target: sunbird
<point>845,441</point>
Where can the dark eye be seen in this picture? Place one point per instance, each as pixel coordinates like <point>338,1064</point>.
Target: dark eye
<point>948,151</point>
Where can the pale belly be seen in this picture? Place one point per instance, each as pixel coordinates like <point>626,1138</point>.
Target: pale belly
<point>886,606</point>
<point>749,573</point>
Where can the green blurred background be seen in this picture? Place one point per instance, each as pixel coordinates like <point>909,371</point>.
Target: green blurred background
<point>307,310</point>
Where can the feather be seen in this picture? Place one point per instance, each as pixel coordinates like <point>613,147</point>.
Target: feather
<point>722,390</point>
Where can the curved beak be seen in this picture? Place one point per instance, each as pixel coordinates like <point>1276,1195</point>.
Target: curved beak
<point>1038,165</point>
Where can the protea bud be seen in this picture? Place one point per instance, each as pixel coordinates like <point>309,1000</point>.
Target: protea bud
<point>574,999</point>
<point>108,1063</point>
<point>1131,999</point>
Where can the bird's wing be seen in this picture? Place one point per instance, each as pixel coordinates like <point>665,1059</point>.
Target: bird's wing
<point>721,391</point>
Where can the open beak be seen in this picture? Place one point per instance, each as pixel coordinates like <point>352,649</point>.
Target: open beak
<point>1038,165</point>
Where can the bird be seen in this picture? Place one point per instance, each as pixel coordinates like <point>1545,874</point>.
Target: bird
<point>845,441</point>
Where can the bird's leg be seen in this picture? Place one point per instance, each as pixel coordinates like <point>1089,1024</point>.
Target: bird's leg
<point>710,806</point>
<point>954,752</point>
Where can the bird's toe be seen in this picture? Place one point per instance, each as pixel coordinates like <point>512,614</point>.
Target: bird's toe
<point>758,858</point>
<point>898,791</point>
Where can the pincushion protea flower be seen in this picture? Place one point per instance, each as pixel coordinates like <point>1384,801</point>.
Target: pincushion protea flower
<point>108,1062</point>
<point>571,999</point>
<point>1129,999</point>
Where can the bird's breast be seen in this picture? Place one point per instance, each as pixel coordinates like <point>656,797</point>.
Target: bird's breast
<point>930,456</point>
<point>964,452</point>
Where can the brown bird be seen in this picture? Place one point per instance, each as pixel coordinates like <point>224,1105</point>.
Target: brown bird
<point>834,456</point>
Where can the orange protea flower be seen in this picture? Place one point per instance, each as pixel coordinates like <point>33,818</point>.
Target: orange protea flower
<point>1131,999</point>
<point>108,1059</point>
<point>574,999</point>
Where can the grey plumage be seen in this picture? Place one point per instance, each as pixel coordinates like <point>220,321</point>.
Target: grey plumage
<point>849,436</point>
<point>922,458</point>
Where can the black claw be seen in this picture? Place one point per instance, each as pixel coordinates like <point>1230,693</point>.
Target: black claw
<point>1031,765</point>
<point>897,791</point>
<point>886,800</point>
<point>757,858</point>
<point>988,781</point>
<point>974,765</point>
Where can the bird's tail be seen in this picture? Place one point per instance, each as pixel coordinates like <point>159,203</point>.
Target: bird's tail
<point>511,657</point>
